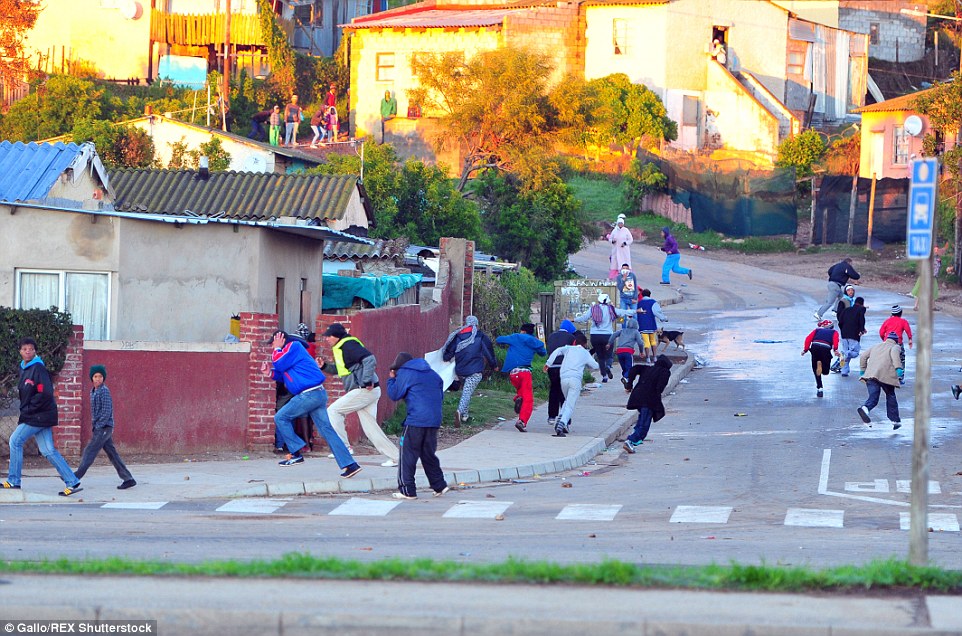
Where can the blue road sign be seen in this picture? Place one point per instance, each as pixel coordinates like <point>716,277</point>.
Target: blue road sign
<point>921,213</point>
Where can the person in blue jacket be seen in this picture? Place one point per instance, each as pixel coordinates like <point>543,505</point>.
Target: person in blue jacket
<point>412,380</point>
<point>521,349</point>
<point>471,350</point>
<point>292,365</point>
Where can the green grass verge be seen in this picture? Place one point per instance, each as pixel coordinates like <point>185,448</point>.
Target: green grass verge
<point>876,575</point>
<point>600,197</point>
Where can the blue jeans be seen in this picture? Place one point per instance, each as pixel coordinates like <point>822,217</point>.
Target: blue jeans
<point>891,402</point>
<point>629,303</point>
<point>641,426</point>
<point>672,265</point>
<point>850,349</point>
<point>44,437</point>
<point>313,403</point>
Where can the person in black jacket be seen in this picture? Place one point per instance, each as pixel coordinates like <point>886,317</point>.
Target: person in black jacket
<point>38,416</point>
<point>471,350</point>
<point>646,397</point>
<point>838,276</point>
<point>556,398</point>
<point>851,324</point>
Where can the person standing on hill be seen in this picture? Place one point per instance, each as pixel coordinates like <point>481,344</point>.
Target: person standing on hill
<point>471,350</point>
<point>672,258</point>
<point>522,348</point>
<point>822,343</point>
<point>838,276</point>
<point>293,116</point>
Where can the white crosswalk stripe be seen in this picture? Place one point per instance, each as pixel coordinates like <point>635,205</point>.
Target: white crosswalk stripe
<point>477,509</point>
<point>905,486</point>
<point>357,507</point>
<point>135,505</point>
<point>252,506</point>
<point>938,521</point>
<point>588,512</point>
<point>814,518</point>
<point>701,514</point>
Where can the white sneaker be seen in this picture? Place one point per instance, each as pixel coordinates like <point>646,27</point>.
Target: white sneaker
<point>389,463</point>
<point>401,495</point>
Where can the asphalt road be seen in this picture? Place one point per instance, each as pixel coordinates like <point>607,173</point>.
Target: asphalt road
<point>790,479</point>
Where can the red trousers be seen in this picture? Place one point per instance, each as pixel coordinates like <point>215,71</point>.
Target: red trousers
<point>521,381</point>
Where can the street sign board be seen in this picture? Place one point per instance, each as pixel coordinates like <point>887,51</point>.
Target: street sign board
<point>922,205</point>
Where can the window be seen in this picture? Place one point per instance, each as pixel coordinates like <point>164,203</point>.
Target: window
<point>385,67</point>
<point>85,295</point>
<point>796,63</point>
<point>619,36</point>
<point>873,33</point>
<point>900,146</point>
<point>689,110</point>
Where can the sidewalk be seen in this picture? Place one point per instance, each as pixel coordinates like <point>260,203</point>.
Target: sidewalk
<point>496,454</point>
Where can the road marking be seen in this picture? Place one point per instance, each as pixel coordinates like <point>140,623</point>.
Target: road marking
<point>588,512</point>
<point>357,507</point>
<point>823,488</point>
<point>905,485</point>
<point>253,506</point>
<point>814,518</point>
<point>701,514</point>
<point>877,485</point>
<point>938,521</point>
<point>477,509</point>
<point>135,505</point>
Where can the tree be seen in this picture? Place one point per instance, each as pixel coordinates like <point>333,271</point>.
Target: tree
<point>537,228</point>
<point>16,18</point>
<point>53,109</point>
<point>280,53</point>
<point>801,152</point>
<point>641,180</point>
<point>50,328</point>
<point>183,158</point>
<point>118,146</point>
<point>493,106</point>
<point>943,106</point>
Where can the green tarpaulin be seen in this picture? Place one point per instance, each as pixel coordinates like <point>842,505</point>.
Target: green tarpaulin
<point>340,291</point>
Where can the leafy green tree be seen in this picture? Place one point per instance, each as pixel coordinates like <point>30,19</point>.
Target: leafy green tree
<point>16,18</point>
<point>493,105</point>
<point>280,53</point>
<point>641,180</point>
<point>184,158</point>
<point>50,328</point>
<point>118,146</point>
<point>53,109</point>
<point>537,228</point>
<point>801,152</point>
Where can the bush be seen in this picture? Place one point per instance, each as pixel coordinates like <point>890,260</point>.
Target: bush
<point>640,181</point>
<point>502,304</point>
<point>50,328</point>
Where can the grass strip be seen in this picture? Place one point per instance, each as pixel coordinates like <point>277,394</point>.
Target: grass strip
<point>875,575</point>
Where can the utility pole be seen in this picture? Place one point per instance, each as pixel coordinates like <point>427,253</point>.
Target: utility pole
<point>225,91</point>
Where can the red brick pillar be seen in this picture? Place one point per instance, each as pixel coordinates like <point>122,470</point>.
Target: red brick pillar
<point>467,297</point>
<point>333,384</point>
<point>261,392</point>
<point>68,391</point>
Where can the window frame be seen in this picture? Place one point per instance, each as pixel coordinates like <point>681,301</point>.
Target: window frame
<point>619,46</point>
<point>62,291</point>
<point>900,146</point>
<point>379,67</point>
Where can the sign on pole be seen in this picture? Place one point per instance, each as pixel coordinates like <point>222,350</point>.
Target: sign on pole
<point>921,212</point>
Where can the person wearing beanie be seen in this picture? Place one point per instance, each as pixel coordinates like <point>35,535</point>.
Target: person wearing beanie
<point>472,351</point>
<point>38,416</point>
<point>822,342</point>
<point>620,239</point>
<point>522,347</point>
<point>564,336</point>
<point>851,324</point>
<point>672,258</point>
<point>102,419</point>
<point>896,323</point>
<point>881,369</point>
<point>838,276</point>
<point>355,365</point>
<point>414,381</point>
<point>291,364</point>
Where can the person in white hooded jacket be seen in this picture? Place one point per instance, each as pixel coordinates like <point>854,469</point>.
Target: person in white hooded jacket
<point>576,358</point>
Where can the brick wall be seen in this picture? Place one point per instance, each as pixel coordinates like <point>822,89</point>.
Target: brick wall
<point>261,390</point>
<point>68,391</point>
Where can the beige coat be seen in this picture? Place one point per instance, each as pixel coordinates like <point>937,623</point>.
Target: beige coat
<point>880,363</point>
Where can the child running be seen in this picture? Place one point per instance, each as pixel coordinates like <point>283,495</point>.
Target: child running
<point>624,341</point>
<point>646,398</point>
<point>822,343</point>
<point>576,358</point>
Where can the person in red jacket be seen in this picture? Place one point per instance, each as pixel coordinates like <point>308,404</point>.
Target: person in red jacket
<point>822,343</point>
<point>900,326</point>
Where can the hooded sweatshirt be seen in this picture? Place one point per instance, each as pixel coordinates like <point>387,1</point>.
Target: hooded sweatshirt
<point>296,368</point>
<point>564,336</point>
<point>671,245</point>
<point>37,406</point>
<point>852,322</point>
<point>651,383</point>
<point>521,349</point>
<point>625,339</point>
<point>576,358</point>
<point>422,390</point>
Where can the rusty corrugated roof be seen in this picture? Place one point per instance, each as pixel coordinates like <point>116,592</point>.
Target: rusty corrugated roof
<point>241,195</point>
<point>892,105</point>
<point>439,19</point>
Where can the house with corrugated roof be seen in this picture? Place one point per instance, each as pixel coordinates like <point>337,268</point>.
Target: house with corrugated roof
<point>161,255</point>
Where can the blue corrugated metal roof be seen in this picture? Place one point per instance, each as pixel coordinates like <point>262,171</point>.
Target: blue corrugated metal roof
<point>28,171</point>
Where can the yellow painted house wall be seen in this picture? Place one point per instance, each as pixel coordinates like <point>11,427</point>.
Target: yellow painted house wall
<point>83,30</point>
<point>740,121</point>
<point>367,92</point>
<point>877,146</point>
<point>646,59</point>
<point>821,11</point>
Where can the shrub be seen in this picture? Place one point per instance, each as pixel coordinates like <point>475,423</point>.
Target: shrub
<point>50,328</point>
<point>640,181</point>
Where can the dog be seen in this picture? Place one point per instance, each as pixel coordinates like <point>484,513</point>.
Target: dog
<point>667,337</point>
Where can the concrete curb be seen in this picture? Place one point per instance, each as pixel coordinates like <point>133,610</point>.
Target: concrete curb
<point>17,495</point>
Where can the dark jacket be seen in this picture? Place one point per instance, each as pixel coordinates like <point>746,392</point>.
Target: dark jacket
<point>651,383</point>
<point>841,273</point>
<point>852,322</point>
<point>471,359</point>
<point>560,338</point>
<point>101,407</point>
<point>422,391</point>
<point>359,361</point>
<point>37,406</point>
